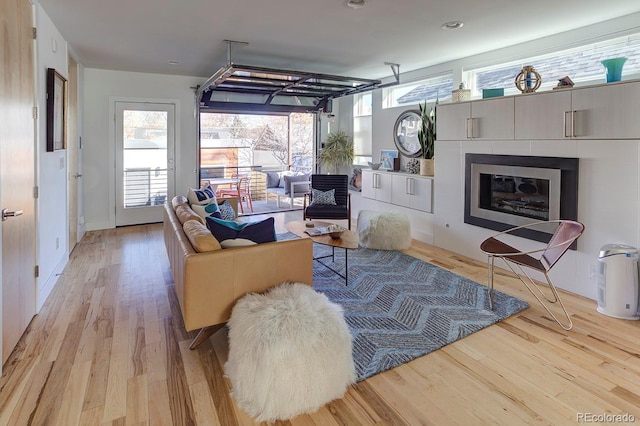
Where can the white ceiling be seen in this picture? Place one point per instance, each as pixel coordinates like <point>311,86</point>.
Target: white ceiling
<point>322,36</point>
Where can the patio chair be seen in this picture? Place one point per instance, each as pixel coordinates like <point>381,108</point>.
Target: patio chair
<point>242,191</point>
<point>342,207</point>
<point>565,234</point>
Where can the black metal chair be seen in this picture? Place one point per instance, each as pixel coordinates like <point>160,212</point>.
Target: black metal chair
<point>342,208</point>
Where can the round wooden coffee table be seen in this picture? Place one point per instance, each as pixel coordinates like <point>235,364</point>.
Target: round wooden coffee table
<point>348,241</point>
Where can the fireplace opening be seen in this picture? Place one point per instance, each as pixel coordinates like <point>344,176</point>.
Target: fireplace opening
<point>517,195</point>
<point>503,191</point>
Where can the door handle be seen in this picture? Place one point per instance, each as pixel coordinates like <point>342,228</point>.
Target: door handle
<point>470,128</point>
<point>7,214</point>
<point>77,175</point>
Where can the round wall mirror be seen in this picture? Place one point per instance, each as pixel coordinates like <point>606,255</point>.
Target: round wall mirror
<point>405,133</point>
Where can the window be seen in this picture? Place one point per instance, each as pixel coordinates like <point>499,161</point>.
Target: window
<point>362,140</point>
<point>431,89</point>
<point>581,64</point>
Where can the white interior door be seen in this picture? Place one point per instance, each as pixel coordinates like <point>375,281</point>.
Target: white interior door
<point>145,177</point>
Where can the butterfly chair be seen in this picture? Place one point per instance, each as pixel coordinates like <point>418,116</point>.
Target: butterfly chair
<point>545,258</point>
<point>241,190</point>
<point>319,204</point>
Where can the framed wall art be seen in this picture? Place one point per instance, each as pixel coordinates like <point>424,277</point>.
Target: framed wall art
<point>56,110</point>
<point>386,158</point>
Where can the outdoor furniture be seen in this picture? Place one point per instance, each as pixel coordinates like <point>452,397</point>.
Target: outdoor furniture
<point>565,234</point>
<point>342,207</point>
<point>242,191</point>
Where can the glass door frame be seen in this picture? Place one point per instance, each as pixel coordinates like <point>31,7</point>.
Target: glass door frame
<point>144,214</point>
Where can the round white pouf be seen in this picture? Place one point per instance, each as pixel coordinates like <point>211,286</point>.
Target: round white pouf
<point>383,230</point>
<point>289,352</point>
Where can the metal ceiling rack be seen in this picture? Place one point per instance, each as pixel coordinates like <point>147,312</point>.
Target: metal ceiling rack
<point>245,87</point>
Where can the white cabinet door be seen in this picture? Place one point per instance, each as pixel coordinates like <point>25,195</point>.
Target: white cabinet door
<point>414,192</point>
<point>401,190</point>
<point>452,121</point>
<point>607,112</point>
<point>491,119</point>
<point>376,185</point>
<point>383,184</point>
<point>485,119</point>
<point>368,189</point>
<point>422,194</point>
<point>543,115</point>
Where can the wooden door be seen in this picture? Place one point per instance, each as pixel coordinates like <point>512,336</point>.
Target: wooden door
<point>72,151</point>
<point>17,171</point>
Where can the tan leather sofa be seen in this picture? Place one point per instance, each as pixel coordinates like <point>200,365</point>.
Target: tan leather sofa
<point>208,284</point>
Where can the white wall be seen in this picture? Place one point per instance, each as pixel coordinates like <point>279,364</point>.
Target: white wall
<point>101,87</point>
<point>608,202</point>
<point>52,233</point>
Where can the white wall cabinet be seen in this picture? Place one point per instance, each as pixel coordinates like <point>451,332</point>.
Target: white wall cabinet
<point>414,192</point>
<point>607,111</point>
<point>484,119</point>
<point>376,185</point>
<point>402,189</point>
<point>543,115</point>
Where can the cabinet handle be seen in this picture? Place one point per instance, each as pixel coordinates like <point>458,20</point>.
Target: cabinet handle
<point>564,123</point>
<point>412,186</point>
<point>375,180</point>
<point>573,123</point>
<point>469,128</point>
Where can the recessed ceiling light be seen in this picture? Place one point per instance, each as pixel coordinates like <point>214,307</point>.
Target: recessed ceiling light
<point>174,62</point>
<point>355,4</point>
<point>452,25</point>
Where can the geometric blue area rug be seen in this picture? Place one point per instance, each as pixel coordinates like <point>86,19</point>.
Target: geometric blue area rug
<point>399,308</point>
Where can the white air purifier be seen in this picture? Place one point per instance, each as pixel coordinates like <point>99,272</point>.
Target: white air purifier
<point>618,281</point>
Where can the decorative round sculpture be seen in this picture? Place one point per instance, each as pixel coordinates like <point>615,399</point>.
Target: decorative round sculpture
<point>413,166</point>
<point>528,80</point>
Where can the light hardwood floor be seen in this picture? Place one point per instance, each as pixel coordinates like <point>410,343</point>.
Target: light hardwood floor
<point>109,347</point>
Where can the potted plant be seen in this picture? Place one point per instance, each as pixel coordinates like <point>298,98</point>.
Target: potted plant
<point>427,138</point>
<point>337,151</point>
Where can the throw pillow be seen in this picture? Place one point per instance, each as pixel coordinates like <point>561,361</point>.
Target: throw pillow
<point>226,211</point>
<point>185,213</point>
<point>203,196</point>
<point>208,210</point>
<point>199,236</point>
<point>299,189</point>
<point>273,179</point>
<point>178,200</point>
<point>258,232</point>
<point>236,242</point>
<point>327,198</point>
<point>281,176</point>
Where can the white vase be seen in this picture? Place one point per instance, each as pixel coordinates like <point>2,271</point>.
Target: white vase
<point>426,167</point>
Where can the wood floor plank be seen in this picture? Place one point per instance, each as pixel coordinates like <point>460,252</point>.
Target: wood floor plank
<point>71,406</point>
<point>109,347</point>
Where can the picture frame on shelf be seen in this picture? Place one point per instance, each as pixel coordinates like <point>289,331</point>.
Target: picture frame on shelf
<point>386,158</point>
<point>56,110</point>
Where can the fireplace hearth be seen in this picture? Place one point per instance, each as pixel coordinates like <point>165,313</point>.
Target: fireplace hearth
<point>503,191</point>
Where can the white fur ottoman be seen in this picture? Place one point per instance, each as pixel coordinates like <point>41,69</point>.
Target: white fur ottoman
<point>289,352</point>
<point>384,230</point>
